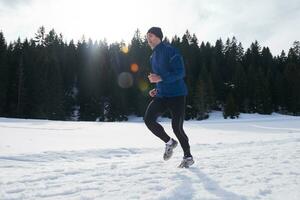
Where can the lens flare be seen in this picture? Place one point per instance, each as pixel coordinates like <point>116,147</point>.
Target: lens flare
<point>125,80</point>
<point>134,67</point>
<point>124,49</point>
<point>143,85</point>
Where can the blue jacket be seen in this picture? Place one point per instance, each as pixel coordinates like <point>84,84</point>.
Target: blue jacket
<point>168,64</point>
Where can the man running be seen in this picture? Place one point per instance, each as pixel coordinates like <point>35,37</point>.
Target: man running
<point>169,94</point>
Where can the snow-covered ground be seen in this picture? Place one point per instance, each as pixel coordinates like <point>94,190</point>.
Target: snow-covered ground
<point>253,157</point>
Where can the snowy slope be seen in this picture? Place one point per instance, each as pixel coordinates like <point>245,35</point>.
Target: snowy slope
<point>253,157</point>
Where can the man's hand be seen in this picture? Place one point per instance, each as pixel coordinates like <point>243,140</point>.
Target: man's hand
<point>153,92</point>
<point>154,78</point>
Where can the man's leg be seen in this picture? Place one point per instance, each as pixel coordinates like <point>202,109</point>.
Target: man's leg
<point>177,108</point>
<point>155,109</point>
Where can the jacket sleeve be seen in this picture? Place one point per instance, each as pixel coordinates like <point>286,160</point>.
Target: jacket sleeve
<point>177,70</point>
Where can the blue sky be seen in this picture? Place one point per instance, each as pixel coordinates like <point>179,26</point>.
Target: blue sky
<point>274,23</point>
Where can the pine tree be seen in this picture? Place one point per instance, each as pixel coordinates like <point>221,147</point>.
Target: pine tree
<point>277,87</point>
<point>40,36</point>
<point>15,76</point>
<point>264,101</point>
<point>240,82</point>
<point>230,108</point>
<point>200,103</point>
<point>217,69</point>
<point>3,74</point>
<point>138,56</point>
<point>69,72</point>
<point>29,65</point>
<point>292,88</point>
<point>203,95</point>
<point>54,102</point>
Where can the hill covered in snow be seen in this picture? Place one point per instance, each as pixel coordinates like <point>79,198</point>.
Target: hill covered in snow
<point>253,157</point>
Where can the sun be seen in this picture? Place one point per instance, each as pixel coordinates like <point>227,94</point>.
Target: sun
<point>111,20</point>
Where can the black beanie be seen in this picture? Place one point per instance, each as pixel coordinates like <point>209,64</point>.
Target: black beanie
<point>156,31</point>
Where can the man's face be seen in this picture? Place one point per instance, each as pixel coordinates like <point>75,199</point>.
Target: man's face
<point>152,40</point>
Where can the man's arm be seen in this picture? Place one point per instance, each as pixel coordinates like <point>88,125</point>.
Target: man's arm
<point>177,67</point>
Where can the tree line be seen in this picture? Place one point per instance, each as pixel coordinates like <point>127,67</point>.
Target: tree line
<point>48,78</point>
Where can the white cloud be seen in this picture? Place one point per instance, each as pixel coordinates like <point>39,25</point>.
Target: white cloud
<point>13,3</point>
<point>273,23</point>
